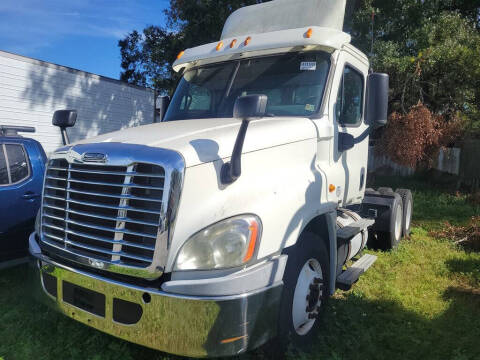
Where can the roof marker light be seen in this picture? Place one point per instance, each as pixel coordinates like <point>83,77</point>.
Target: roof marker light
<point>247,41</point>
<point>180,54</point>
<point>233,43</point>
<point>220,46</point>
<point>309,33</point>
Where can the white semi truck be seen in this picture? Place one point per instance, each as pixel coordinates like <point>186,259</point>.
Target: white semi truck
<point>234,219</point>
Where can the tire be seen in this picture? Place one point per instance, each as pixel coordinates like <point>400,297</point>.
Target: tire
<point>407,200</point>
<point>389,240</point>
<point>385,190</point>
<point>305,262</point>
<point>371,192</point>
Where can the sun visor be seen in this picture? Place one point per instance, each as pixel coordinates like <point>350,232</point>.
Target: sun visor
<point>285,14</point>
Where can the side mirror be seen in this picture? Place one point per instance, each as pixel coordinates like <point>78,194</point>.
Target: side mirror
<point>377,99</point>
<point>246,108</point>
<point>162,105</point>
<point>64,119</point>
<point>250,106</point>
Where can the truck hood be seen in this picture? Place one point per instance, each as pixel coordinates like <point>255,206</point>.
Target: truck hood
<point>206,140</point>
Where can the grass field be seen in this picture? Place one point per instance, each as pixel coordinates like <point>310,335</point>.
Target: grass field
<point>419,302</point>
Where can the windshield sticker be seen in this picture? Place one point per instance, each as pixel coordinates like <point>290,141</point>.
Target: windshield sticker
<point>308,66</point>
<point>309,107</point>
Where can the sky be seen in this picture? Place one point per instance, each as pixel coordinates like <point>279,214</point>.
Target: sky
<point>82,34</point>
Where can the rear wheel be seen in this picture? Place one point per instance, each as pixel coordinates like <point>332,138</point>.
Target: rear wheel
<point>390,239</point>
<point>305,290</point>
<point>407,199</point>
<point>385,190</point>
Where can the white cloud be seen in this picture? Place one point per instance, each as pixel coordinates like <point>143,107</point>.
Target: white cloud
<point>35,24</point>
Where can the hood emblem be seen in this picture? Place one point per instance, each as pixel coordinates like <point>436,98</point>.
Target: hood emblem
<point>94,158</point>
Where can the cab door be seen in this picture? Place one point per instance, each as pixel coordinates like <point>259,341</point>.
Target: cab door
<point>351,133</point>
<point>20,195</point>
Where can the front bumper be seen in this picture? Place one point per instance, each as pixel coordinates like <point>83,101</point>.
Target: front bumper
<point>195,326</point>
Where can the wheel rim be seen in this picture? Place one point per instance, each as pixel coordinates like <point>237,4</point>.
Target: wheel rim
<point>307,297</point>
<point>398,223</point>
<point>408,215</point>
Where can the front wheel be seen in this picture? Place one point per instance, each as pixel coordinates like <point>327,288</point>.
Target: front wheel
<point>305,290</point>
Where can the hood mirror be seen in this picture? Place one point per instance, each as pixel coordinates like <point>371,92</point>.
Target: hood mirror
<point>64,119</point>
<point>246,108</point>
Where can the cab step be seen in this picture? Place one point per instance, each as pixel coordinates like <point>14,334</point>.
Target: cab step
<point>350,276</point>
<point>353,229</point>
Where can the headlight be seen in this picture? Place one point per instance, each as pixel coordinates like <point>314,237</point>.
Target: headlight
<point>228,243</point>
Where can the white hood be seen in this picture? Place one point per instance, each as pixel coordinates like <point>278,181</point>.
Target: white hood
<point>206,140</point>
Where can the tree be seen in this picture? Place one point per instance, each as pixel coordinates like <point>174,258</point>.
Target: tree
<point>147,57</point>
<point>430,49</point>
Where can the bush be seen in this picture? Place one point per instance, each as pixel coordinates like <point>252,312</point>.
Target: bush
<point>416,137</point>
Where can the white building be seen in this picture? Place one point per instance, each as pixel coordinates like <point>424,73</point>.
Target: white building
<point>31,90</point>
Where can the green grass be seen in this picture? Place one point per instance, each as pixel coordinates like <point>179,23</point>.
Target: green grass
<point>419,302</point>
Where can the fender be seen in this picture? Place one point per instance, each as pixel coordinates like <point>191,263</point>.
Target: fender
<point>326,226</point>
<point>331,220</point>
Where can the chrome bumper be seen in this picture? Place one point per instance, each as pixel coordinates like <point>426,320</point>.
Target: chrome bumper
<point>183,325</point>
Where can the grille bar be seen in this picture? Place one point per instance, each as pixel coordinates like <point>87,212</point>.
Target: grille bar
<point>129,197</point>
<point>54,227</point>
<point>128,208</point>
<point>107,252</point>
<point>54,188</point>
<point>53,237</point>
<point>108,241</point>
<point>54,217</point>
<point>54,197</point>
<point>52,207</point>
<point>115,230</point>
<point>112,214</point>
<point>134,221</point>
<point>132,173</point>
<point>99,183</point>
<point>56,178</point>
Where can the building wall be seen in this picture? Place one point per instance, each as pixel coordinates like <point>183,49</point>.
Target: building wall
<point>31,90</point>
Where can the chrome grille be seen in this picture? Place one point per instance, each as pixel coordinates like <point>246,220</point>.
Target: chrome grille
<point>107,213</point>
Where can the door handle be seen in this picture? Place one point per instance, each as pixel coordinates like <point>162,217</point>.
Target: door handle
<point>30,195</point>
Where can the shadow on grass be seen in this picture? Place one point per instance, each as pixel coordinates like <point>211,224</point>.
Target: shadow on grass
<point>464,265</point>
<point>469,269</point>
<point>359,329</point>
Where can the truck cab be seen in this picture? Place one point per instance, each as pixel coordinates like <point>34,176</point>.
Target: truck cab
<point>233,220</point>
<point>22,166</point>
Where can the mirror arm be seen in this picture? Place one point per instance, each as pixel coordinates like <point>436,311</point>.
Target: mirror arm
<point>232,170</point>
<point>65,138</point>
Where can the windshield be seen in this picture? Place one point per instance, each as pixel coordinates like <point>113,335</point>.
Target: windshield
<point>294,84</point>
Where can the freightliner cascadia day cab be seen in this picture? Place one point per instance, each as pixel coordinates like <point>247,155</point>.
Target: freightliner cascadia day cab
<point>234,219</point>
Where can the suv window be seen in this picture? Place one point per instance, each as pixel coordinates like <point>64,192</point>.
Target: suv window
<point>17,161</point>
<point>3,167</point>
<point>349,108</point>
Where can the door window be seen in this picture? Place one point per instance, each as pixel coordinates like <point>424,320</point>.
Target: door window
<point>3,167</point>
<point>18,163</point>
<point>349,107</point>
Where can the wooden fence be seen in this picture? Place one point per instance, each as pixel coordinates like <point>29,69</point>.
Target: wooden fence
<point>463,162</point>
